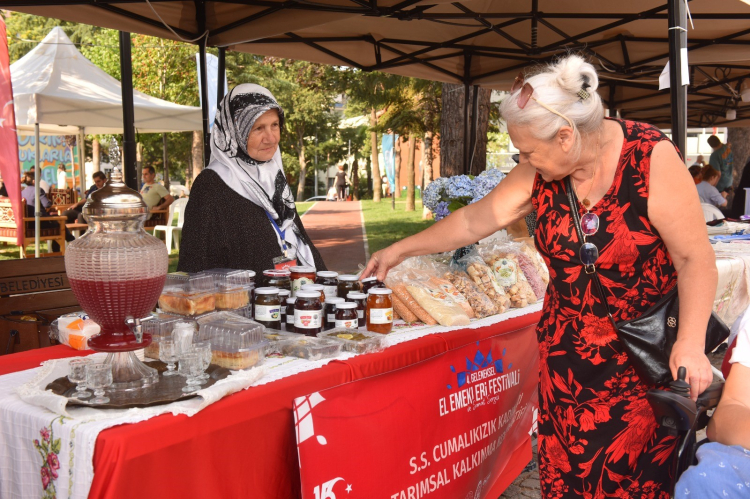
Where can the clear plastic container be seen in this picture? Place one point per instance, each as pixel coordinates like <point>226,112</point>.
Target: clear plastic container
<point>236,345</point>
<point>233,287</point>
<point>309,348</point>
<point>160,328</point>
<point>188,294</point>
<point>355,341</point>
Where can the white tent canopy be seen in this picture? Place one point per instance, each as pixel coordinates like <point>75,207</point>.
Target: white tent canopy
<point>56,86</point>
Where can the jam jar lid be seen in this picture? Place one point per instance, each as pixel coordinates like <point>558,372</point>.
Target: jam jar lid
<point>291,300</point>
<point>302,270</point>
<point>284,292</point>
<point>312,287</point>
<point>369,279</point>
<point>115,201</point>
<point>334,299</point>
<point>347,277</point>
<point>346,304</point>
<point>356,296</point>
<point>380,291</point>
<point>308,294</point>
<point>266,291</point>
<point>327,273</point>
<point>276,273</point>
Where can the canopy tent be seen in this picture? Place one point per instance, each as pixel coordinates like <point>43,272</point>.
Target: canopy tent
<point>473,42</point>
<point>54,85</point>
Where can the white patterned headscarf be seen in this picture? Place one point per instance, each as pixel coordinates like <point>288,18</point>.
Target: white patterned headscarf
<point>263,183</point>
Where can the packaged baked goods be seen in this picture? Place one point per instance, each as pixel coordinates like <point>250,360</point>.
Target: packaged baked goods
<point>400,292</point>
<point>236,345</point>
<point>400,309</point>
<point>484,279</point>
<point>309,348</point>
<point>356,341</point>
<point>75,329</point>
<point>480,302</point>
<point>532,275</point>
<point>448,288</point>
<point>502,258</point>
<point>233,287</point>
<point>160,328</point>
<point>538,262</point>
<point>188,294</point>
<point>438,304</point>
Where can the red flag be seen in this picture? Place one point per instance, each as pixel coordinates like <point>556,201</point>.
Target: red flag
<point>10,169</point>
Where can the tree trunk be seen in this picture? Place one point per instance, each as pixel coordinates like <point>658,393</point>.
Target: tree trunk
<point>166,160</point>
<point>452,130</point>
<point>302,166</point>
<point>96,157</point>
<point>368,169</point>
<point>426,170</point>
<point>397,167</point>
<point>739,138</point>
<point>139,160</point>
<point>410,173</point>
<point>377,182</point>
<point>197,155</point>
<point>355,174</point>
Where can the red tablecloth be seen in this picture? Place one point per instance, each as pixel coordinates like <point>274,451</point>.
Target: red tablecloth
<point>243,445</point>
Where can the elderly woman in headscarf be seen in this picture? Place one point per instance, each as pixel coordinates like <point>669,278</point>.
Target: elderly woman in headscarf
<point>241,212</point>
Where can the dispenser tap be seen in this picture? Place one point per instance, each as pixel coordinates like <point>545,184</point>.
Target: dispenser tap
<point>135,326</point>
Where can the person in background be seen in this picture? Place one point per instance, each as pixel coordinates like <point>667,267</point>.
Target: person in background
<point>29,194</point>
<point>75,214</point>
<point>386,186</point>
<point>3,190</point>
<point>62,177</point>
<point>721,159</point>
<point>155,195</point>
<point>341,182</point>
<point>696,173</point>
<point>699,161</point>
<point>707,188</point>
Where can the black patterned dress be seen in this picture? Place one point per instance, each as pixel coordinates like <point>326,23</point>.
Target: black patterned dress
<point>597,433</point>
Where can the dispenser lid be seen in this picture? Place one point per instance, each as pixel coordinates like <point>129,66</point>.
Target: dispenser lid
<point>115,200</point>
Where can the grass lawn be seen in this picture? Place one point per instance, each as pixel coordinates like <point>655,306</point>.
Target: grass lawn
<point>385,226</point>
<point>303,207</point>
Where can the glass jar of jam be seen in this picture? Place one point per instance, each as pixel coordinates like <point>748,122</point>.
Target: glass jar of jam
<point>361,300</point>
<point>318,288</point>
<point>329,321</point>
<point>369,283</point>
<point>379,310</point>
<point>283,295</point>
<point>347,284</point>
<point>330,281</point>
<point>290,314</point>
<point>277,279</point>
<point>308,313</point>
<point>267,307</point>
<point>301,276</point>
<point>346,315</point>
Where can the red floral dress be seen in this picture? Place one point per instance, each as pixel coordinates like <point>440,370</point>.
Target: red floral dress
<point>597,433</point>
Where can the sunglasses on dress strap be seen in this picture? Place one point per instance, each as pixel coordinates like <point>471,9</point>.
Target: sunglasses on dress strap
<point>527,92</point>
<point>589,253</point>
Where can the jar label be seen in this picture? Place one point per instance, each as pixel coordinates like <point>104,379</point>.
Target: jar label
<point>267,312</point>
<point>360,314</point>
<point>308,319</point>
<point>298,283</point>
<point>330,291</point>
<point>348,324</point>
<point>505,272</point>
<point>381,315</point>
<point>331,318</point>
<point>290,319</point>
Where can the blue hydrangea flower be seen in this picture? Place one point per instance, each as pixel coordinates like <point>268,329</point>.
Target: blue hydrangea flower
<point>433,193</point>
<point>485,182</point>
<point>460,186</point>
<point>441,210</point>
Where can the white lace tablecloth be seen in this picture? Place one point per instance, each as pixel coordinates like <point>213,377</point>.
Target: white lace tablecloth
<point>47,448</point>
<point>733,289</point>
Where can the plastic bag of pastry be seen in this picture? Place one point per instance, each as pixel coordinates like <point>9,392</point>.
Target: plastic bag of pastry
<point>484,278</point>
<point>75,330</point>
<point>532,275</point>
<point>448,288</point>
<point>480,302</point>
<point>538,262</point>
<point>438,304</point>
<point>400,308</point>
<point>396,280</point>
<point>502,258</point>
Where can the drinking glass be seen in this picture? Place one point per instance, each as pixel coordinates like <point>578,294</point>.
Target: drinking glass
<point>203,348</point>
<point>168,354</point>
<point>189,366</point>
<point>98,377</point>
<point>77,374</point>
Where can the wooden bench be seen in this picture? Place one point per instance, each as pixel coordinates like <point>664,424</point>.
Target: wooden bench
<point>8,230</point>
<point>33,293</point>
<point>77,229</point>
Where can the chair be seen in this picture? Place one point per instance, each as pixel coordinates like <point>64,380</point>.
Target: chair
<point>49,233</point>
<point>178,206</point>
<point>711,212</point>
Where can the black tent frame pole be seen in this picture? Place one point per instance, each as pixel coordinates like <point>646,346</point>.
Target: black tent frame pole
<point>611,103</point>
<point>222,75</point>
<point>204,105</point>
<point>677,15</point>
<point>129,169</point>
<point>467,87</point>
<point>473,133</point>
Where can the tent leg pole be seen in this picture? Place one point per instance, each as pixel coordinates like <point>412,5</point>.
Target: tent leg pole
<point>220,90</point>
<point>37,188</point>
<point>204,104</point>
<point>473,134</point>
<point>82,159</point>
<point>677,15</point>
<point>129,171</point>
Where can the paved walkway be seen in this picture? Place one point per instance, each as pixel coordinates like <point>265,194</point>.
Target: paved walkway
<point>336,230</point>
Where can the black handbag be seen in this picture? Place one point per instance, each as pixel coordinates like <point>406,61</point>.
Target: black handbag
<point>649,339</point>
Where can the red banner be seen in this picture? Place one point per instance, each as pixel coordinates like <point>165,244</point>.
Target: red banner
<point>10,170</point>
<point>449,427</point>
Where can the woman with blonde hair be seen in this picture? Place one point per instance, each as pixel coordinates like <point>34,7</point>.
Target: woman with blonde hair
<point>642,227</point>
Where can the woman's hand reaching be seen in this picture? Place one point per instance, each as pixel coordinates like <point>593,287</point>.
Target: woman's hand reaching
<point>382,261</point>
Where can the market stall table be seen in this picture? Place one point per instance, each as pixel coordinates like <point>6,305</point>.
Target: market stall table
<point>244,445</point>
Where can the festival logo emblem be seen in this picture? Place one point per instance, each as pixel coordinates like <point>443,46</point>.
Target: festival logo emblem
<point>481,367</point>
